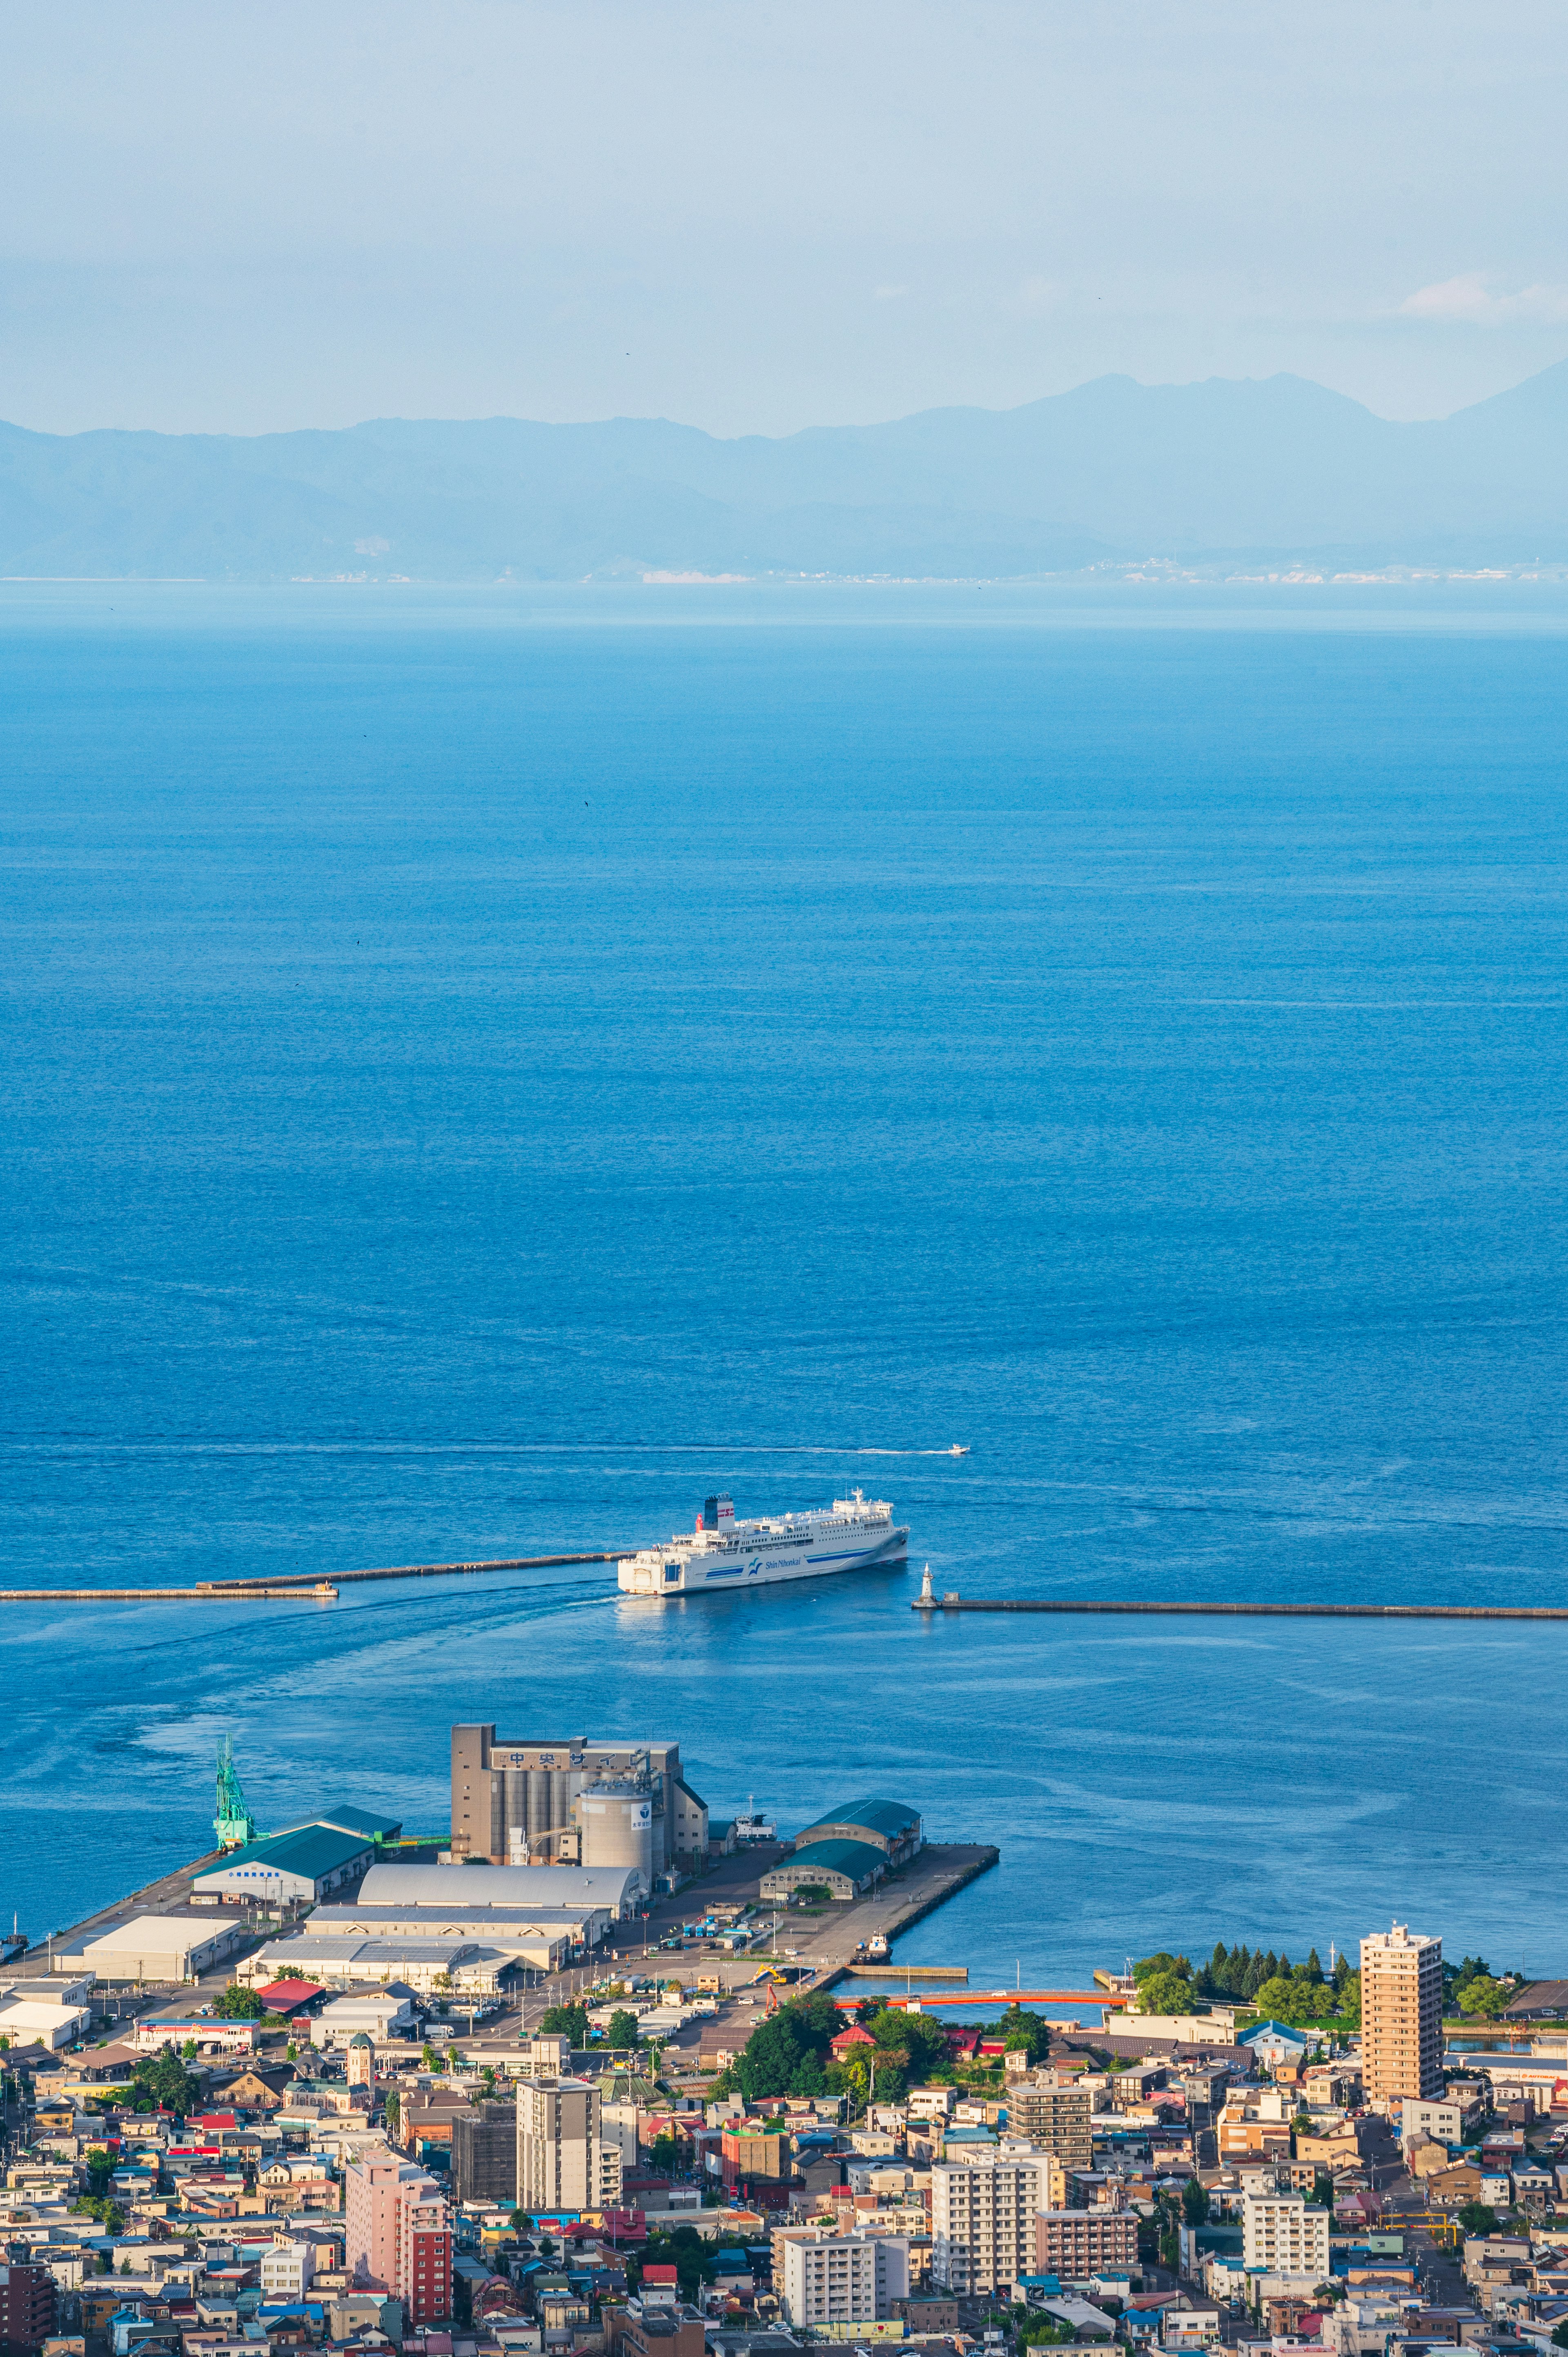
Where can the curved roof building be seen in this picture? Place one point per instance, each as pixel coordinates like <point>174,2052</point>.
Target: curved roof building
<point>891,1826</point>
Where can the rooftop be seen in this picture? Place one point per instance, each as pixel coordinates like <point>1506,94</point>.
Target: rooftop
<point>310,1850</point>
<point>857,1859</point>
<point>890,1817</point>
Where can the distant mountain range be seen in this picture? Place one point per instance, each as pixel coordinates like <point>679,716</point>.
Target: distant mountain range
<point>1280,470</point>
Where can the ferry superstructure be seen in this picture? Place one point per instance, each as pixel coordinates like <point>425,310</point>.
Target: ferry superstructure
<point>722,1554</point>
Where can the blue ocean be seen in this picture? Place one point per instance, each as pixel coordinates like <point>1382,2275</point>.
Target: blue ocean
<point>483,1069</point>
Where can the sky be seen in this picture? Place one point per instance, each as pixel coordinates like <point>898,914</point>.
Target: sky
<point>756,217</point>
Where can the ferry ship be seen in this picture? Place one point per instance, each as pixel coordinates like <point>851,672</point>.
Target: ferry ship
<point>725,1554</point>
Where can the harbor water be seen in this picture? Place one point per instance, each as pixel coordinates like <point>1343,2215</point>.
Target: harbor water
<point>485,1070</point>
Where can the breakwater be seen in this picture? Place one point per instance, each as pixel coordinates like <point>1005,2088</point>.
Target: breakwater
<point>955,1603</point>
<point>279,1587</point>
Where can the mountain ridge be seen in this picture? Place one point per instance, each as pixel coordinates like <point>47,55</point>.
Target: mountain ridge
<point>1277,467</point>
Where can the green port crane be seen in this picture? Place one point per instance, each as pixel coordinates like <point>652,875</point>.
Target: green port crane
<point>234,1824</point>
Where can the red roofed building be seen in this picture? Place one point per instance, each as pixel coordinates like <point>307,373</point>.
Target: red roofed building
<point>661,2287</point>
<point>848,2039</point>
<point>288,1996</point>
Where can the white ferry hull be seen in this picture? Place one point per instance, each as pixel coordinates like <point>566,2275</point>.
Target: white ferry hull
<point>722,1569</point>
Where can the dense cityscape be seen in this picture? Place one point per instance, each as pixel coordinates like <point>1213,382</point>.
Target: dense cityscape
<point>588,2070</point>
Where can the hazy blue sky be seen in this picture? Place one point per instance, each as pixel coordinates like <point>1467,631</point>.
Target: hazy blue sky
<point>755,215</point>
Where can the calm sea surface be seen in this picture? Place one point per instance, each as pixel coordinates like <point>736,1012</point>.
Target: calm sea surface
<point>480,1071</point>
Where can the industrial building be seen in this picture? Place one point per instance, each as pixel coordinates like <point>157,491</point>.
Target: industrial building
<point>156,1948</point>
<point>351,1963</point>
<point>563,2160</point>
<point>891,1826</point>
<point>848,1851</point>
<point>45,2014</point>
<point>516,1800</point>
<point>542,1947</point>
<point>602,1893</point>
<point>305,1864</point>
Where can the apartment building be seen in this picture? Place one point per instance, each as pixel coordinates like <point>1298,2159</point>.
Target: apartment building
<point>982,2220</point>
<point>287,2270</point>
<point>1076,2243</point>
<point>1402,2015</point>
<point>398,2237</point>
<point>564,2159</point>
<point>844,2279</point>
<point>1053,2114</point>
<point>1281,2233</point>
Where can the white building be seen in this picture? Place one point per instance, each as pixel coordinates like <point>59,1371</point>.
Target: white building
<point>1443,2121</point>
<point>845,2278</point>
<point>351,1963</point>
<point>542,1938</point>
<point>42,2020</point>
<point>982,2220</point>
<point>287,2270</point>
<point>158,1948</point>
<point>380,2013</point>
<point>1281,2232</point>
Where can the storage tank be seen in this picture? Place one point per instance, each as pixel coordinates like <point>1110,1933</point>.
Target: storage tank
<point>616,1814</point>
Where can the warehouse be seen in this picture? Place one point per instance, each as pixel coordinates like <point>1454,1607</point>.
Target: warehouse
<point>341,1819</point>
<point>353,1963</point>
<point>611,1891</point>
<point>846,1868</point>
<point>158,1948</point>
<point>541,1945</point>
<point>27,2021</point>
<point>891,1826</point>
<point>304,1864</point>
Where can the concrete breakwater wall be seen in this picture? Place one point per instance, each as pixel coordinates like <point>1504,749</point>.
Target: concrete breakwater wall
<point>954,1603</point>
<point>279,1587</point>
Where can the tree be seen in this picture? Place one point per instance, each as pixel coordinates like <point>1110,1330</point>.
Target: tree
<point>1313,1967</point>
<point>622,2029</point>
<point>1166,1993</point>
<point>392,2104</point>
<point>1195,2202</point>
<point>161,2081</point>
<point>100,2167</point>
<point>1560,2338</point>
<point>568,2021</point>
<point>238,2004</point>
<point>1025,2032</point>
<point>1162,1961</point>
<point>1477,2218</point>
<point>1483,1996</point>
<point>786,2054</point>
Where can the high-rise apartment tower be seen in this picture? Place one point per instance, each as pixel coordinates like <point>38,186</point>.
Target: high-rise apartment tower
<point>1402,2015</point>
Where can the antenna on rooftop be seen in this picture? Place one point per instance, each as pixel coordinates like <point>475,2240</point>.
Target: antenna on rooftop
<point>234,1824</point>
